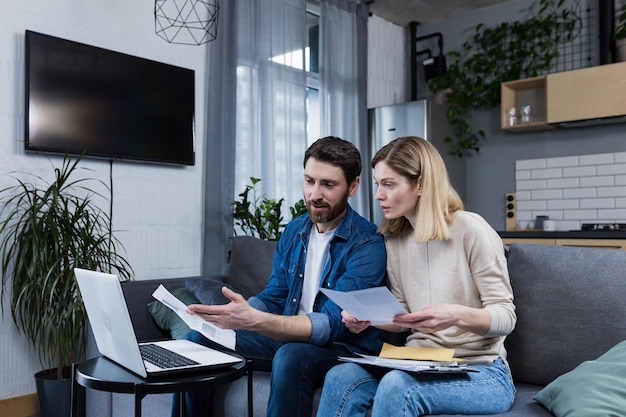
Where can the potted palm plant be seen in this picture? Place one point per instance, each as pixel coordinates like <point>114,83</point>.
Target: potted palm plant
<point>620,34</point>
<point>46,230</point>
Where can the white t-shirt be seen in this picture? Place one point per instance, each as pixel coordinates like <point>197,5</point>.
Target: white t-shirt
<point>316,258</point>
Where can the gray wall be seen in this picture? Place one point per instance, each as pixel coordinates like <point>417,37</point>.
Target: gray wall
<point>491,173</point>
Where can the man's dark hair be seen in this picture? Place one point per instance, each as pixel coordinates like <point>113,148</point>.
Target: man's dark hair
<point>339,152</point>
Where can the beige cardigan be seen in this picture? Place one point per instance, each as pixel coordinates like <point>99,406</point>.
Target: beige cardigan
<point>469,269</point>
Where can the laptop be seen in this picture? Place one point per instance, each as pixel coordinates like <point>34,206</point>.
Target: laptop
<point>115,337</point>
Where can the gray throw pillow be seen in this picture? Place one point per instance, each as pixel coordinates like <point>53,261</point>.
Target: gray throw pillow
<point>208,291</point>
<point>251,261</point>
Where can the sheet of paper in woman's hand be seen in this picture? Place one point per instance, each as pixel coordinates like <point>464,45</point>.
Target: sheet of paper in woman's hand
<point>377,304</point>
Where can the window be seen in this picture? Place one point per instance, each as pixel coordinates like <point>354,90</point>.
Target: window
<point>313,123</point>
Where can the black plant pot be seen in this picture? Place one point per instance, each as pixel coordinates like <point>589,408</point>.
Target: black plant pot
<point>54,394</point>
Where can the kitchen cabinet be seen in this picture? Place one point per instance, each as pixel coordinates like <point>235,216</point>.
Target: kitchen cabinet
<point>585,96</point>
<point>593,243</point>
<point>586,243</point>
<point>533,240</point>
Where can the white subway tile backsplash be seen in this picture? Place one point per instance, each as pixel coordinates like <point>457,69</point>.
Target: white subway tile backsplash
<point>587,171</point>
<point>565,161</point>
<point>612,192</point>
<point>598,181</point>
<point>579,193</point>
<point>597,159</point>
<point>616,215</point>
<point>546,194</point>
<point>620,157</point>
<point>580,214</point>
<point>564,204</point>
<point>546,173</point>
<point>531,185</point>
<point>531,205</point>
<point>563,183</point>
<point>572,190</point>
<point>612,169</point>
<point>597,203</point>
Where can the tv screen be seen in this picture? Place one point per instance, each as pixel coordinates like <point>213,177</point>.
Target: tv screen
<point>106,104</point>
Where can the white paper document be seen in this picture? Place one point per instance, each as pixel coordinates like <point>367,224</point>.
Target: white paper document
<point>410,365</point>
<point>224,337</point>
<point>377,304</point>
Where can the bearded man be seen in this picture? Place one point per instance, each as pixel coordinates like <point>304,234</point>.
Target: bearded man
<point>291,323</point>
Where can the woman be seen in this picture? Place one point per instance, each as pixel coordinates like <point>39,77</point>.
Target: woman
<point>447,267</point>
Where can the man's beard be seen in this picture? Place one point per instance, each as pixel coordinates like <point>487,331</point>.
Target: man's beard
<point>330,213</point>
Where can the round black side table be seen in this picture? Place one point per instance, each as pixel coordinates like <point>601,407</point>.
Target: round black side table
<point>104,375</point>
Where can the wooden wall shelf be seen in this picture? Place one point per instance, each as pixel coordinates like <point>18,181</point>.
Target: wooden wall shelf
<point>586,94</point>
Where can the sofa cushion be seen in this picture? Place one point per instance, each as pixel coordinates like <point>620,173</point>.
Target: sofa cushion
<point>167,319</point>
<point>138,293</point>
<point>561,296</point>
<point>594,388</point>
<point>207,291</point>
<point>251,261</point>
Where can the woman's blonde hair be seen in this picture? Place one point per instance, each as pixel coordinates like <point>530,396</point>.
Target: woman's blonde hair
<point>417,160</point>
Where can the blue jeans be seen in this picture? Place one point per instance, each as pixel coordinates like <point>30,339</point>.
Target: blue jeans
<point>350,390</point>
<point>297,370</point>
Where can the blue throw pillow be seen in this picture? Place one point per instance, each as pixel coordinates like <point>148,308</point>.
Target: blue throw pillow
<point>594,388</point>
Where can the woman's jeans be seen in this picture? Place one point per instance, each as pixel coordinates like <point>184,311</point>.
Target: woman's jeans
<point>297,370</point>
<point>350,390</point>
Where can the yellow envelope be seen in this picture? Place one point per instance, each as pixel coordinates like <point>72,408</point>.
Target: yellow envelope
<point>417,353</point>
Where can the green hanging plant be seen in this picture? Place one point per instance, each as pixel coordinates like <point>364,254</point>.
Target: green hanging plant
<point>261,217</point>
<point>508,51</point>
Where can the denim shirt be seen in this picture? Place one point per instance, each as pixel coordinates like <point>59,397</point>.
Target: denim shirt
<point>357,259</point>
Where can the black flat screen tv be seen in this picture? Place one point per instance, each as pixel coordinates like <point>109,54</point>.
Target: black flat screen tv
<point>82,99</point>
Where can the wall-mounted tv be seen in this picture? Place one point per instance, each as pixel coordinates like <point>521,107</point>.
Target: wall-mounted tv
<point>106,104</point>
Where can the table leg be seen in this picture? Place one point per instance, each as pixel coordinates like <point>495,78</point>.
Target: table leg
<point>138,397</point>
<point>77,396</point>
<point>250,387</point>
<point>181,404</point>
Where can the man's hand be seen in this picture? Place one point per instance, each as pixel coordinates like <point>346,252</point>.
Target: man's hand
<point>239,315</point>
<point>353,324</point>
<point>235,315</point>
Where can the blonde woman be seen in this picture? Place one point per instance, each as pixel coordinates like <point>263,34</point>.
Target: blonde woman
<point>447,267</point>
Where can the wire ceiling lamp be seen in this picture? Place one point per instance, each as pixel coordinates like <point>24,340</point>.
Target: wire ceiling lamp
<point>187,22</point>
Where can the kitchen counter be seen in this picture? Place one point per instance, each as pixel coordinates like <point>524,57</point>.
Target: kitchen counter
<point>540,234</point>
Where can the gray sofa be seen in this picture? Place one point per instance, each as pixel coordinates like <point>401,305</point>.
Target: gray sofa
<point>571,306</point>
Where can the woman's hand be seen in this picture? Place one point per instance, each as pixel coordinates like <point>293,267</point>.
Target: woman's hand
<point>437,317</point>
<point>353,324</point>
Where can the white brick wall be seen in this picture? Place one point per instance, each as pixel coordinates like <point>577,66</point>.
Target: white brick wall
<point>572,190</point>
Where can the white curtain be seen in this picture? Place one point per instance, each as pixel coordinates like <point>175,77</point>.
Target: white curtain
<point>256,104</point>
<point>271,97</point>
<point>343,81</point>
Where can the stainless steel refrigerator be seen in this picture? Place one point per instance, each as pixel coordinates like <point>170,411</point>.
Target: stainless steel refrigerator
<point>423,118</point>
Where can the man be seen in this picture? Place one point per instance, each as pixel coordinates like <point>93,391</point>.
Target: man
<point>290,322</point>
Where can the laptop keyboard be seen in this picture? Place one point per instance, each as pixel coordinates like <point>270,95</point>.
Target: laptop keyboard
<point>164,358</point>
